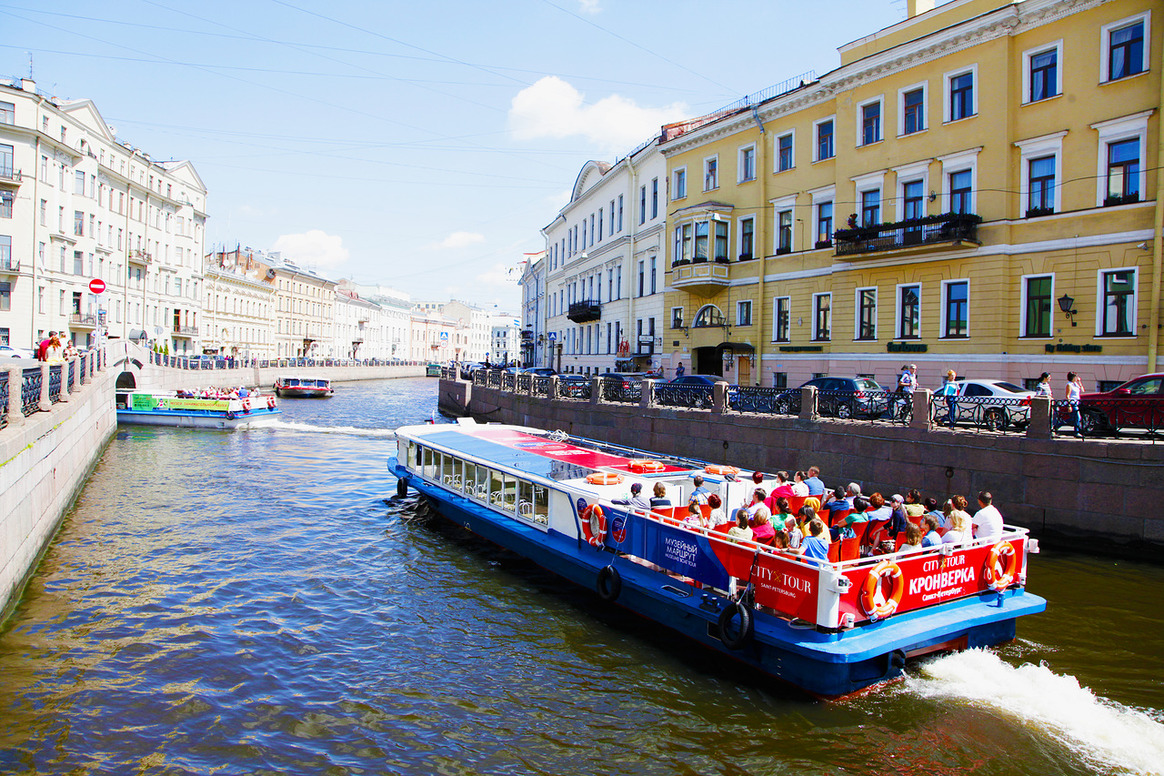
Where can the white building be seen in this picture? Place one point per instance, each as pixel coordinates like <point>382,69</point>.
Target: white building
<point>476,327</point>
<point>77,205</point>
<point>605,271</point>
<point>534,351</point>
<point>436,338</point>
<point>238,317</point>
<point>504,345</point>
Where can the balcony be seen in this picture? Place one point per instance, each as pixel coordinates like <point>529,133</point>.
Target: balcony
<point>138,256</point>
<point>10,178</point>
<point>9,266</point>
<point>83,321</point>
<point>527,334</point>
<point>701,276</point>
<point>918,235</point>
<point>584,312</point>
<point>185,331</point>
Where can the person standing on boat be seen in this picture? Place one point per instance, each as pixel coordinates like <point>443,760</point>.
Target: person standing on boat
<point>637,500</point>
<point>987,521</point>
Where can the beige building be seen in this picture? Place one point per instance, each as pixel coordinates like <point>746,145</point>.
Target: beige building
<point>304,309</point>
<point>973,188</point>
<point>238,317</point>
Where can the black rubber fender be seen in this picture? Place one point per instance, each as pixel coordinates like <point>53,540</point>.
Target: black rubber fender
<point>402,487</point>
<point>735,638</point>
<point>609,583</point>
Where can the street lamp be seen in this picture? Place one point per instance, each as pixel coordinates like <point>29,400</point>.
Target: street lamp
<point>1066,304</point>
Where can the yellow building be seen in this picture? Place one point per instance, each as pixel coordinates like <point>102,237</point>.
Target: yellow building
<point>974,188</point>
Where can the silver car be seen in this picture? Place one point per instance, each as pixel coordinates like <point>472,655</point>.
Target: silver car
<point>994,404</point>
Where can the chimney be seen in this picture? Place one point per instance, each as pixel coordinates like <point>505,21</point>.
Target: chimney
<point>28,85</point>
<point>918,7</point>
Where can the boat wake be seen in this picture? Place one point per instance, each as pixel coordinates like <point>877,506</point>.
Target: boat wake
<point>1113,737</point>
<point>283,425</point>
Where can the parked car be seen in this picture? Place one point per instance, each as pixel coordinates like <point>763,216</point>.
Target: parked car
<point>687,391</point>
<point>7,351</point>
<point>541,371</point>
<point>1138,403</point>
<point>574,386</point>
<point>628,379</point>
<point>840,397</point>
<point>468,368</point>
<point>995,404</point>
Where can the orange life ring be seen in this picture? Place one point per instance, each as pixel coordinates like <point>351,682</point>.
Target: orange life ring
<point>246,405</point>
<point>270,402</point>
<point>643,465</point>
<point>1001,565</point>
<point>875,604</point>
<point>717,469</point>
<point>604,478</point>
<point>594,525</point>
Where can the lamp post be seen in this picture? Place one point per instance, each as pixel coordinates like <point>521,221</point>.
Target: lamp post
<point>1066,304</point>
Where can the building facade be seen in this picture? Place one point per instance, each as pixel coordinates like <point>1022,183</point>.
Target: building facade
<point>304,310</point>
<point>974,188</point>
<point>238,318</point>
<point>533,300</point>
<point>79,205</point>
<point>505,346</point>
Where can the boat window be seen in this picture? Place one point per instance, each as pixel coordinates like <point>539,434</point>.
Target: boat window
<point>451,471</point>
<point>541,504</point>
<point>426,467</point>
<point>410,455</point>
<point>470,482</point>
<point>496,487</point>
<point>509,502</point>
<point>483,483</point>
<point>525,505</point>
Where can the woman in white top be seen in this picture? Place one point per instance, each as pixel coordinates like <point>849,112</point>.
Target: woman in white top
<point>799,488</point>
<point>740,531</point>
<point>959,532</point>
<point>1074,391</point>
<point>717,517</point>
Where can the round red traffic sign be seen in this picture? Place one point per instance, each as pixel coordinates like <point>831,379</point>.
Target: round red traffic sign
<point>97,285</point>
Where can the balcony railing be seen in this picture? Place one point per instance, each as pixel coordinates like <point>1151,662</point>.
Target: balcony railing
<point>9,175</point>
<point>930,230</point>
<point>83,320</point>
<point>583,312</point>
<point>138,256</point>
<point>9,264</point>
<point>186,331</point>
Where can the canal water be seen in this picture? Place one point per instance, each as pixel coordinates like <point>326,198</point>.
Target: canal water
<point>249,603</point>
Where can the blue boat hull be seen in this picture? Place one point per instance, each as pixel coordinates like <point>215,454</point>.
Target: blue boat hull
<point>823,664</point>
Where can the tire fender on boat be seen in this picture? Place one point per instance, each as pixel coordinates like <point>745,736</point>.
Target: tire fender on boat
<point>738,639</point>
<point>609,583</point>
<point>873,600</point>
<point>402,487</point>
<point>1001,565</point>
<point>594,524</point>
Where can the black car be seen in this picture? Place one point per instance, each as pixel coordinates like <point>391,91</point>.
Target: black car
<point>840,397</point>
<point>540,371</point>
<point>687,391</point>
<point>574,386</point>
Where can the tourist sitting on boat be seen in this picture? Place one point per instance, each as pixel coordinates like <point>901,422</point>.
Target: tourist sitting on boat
<point>987,520</point>
<point>780,540</point>
<point>913,503</point>
<point>782,487</point>
<point>836,502</point>
<point>805,516</point>
<point>898,519</point>
<point>959,530</point>
<point>717,517</point>
<point>660,498</point>
<point>931,505</point>
<point>878,509</point>
<point>932,538</point>
<point>795,535</point>
<point>816,546</point>
<point>813,481</point>
<point>637,499</point>
<point>757,477</point>
<point>799,486</point>
<point>759,517</point>
<point>858,515</point>
<point>740,531</point>
<point>781,513</point>
<point>958,504</point>
<point>699,494</point>
<point>913,539</point>
<point>695,518</point>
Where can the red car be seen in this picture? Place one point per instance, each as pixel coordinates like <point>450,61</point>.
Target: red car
<point>1138,403</point>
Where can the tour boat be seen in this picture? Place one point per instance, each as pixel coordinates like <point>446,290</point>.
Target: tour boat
<point>166,408</point>
<point>303,388</point>
<point>432,370</point>
<point>829,628</point>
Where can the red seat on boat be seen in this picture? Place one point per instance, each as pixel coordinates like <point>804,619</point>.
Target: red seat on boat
<point>900,541</point>
<point>850,548</point>
<point>875,532</point>
<point>795,503</point>
<point>838,517</point>
<point>835,552</point>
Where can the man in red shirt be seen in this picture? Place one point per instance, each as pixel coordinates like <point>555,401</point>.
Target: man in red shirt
<point>44,346</point>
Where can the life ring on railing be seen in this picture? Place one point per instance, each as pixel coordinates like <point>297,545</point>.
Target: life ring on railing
<point>644,465</point>
<point>246,405</point>
<point>873,600</point>
<point>270,402</point>
<point>594,525</point>
<point>717,469</point>
<point>604,478</point>
<point>1001,565</point>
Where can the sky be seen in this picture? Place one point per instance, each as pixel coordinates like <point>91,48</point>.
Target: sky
<point>421,146</point>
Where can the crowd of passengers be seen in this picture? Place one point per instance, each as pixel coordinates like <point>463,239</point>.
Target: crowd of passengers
<point>903,524</point>
<point>241,392</point>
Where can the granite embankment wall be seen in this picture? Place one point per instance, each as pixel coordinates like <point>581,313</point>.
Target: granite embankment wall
<point>45,459</point>
<point>151,376</point>
<point>1090,495</point>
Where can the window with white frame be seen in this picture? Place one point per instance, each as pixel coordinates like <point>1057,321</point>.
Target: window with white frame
<point>642,207</point>
<point>785,152</point>
<point>866,318</point>
<point>781,318</point>
<point>1117,303</point>
<point>961,94</point>
<point>822,317</point>
<point>1042,72</point>
<point>870,207</point>
<point>1041,167</point>
<point>744,313</point>
<point>1124,47</point>
<point>654,198</point>
<point>960,191</point>
<point>682,243</point>
<point>911,108</point>
<point>823,131</point>
<point>909,311</point>
<point>955,308</point>
<point>823,218</point>
<point>747,230</point>
<point>679,183</point>
<point>7,113</point>
<point>746,164</point>
<point>784,231</point>
<point>1121,171</point>
<point>869,122</point>
<point>711,173</point>
<point>1037,293</point>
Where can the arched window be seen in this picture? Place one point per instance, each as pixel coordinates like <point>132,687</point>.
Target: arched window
<point>708,316</point>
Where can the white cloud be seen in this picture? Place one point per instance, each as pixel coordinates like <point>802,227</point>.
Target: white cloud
<point>500,274</point>
<point>314,247</point>
<point>589,6</point>
<point>458,240</point>
<point>553,108</point>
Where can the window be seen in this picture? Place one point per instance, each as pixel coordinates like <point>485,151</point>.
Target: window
<point>711,173</point>
<point>1123,171</point>
<point>682,243</point>
<point>955,308</point>
<point>744,313</point>
<point>1121,153</point>
<point>747,164</point>
<point>912,199</point>
<point>7,113</point>
<point>642,277</point>
<point>1118,303</point>
<point>1041,73</point>
<point>784,153</point>
<point>781,318</point>
<point>599,224</point>
<point>870,125</point>
<point>1125,47</point>
<point>824,140</point>
<point>676,317</point>
<point>6,204</point>
<point>1037,292</point>
<point>620,212</point>
<point>721,240</point>
<point>642,204</point>
<point>654,198</point>
<point>1041,195</point>
<point>5,303</point>
<point>747,237</point>
<point>78,223</point>
<point>701,232</point>
<point>960,192</point>
<point>654,286</point>
<point>871,207</point>
<point>822,330</point>
<point>824,224</point>
<point>913,110</point>
<point>784,232</point>
<point>679,184</point>
<point>79,182</point>
<point>909,312</point>
<point>5,251</point>
<point>6,161</point>
<point>960,93</point>
<point>866,314</point>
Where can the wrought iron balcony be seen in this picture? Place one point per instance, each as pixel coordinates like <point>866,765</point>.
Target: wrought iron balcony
<point>138,256</point>
<point>10,176</point>
<point>185,331</point>
<point>583,312</point>
<point>9,265</point>
<point>82,321</point>
<point>949,229</point>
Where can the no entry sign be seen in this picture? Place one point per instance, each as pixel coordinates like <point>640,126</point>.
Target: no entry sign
<point>97,285</point>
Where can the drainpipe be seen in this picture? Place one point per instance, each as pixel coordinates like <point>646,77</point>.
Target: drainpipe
<point>1157,259</point>
<point>32,307</point>
<point>630,317</point>
<point>757,241</point>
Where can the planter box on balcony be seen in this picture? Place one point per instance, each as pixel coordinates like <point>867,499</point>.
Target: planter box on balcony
<point>912,232</point>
